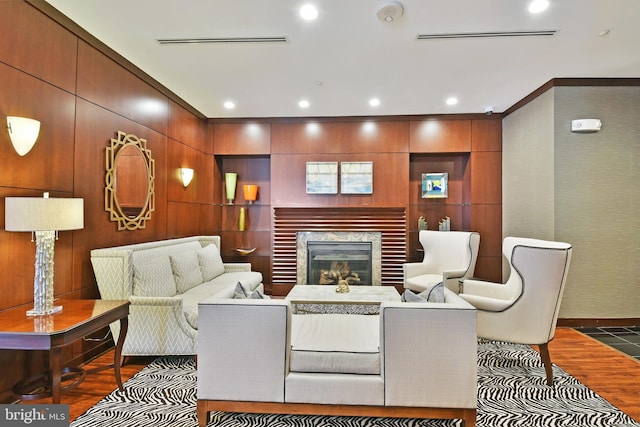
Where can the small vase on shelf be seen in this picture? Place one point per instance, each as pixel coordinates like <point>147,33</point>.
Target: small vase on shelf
<point>242,219</point>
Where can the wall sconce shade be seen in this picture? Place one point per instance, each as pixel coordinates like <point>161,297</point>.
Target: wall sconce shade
<point>187,176</point>
<point>250,192</point>
<point>230,179</point>
<point>44,217</point>
<point>23,133</point>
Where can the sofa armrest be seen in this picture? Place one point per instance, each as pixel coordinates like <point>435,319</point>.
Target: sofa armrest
<point>243,349</point>
<point>433,362</point>
<point>232,267</point>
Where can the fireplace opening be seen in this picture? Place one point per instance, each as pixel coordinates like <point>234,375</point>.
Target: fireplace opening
<point>328,262</point>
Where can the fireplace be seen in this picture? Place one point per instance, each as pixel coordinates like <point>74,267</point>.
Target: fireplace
<point>332,250</point>
<point>329,262</point>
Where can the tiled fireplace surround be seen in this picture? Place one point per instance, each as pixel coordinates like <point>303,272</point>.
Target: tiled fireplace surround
<point>339,236</point>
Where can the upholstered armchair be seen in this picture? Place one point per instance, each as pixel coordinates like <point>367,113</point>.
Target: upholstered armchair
<point>525,309</point>
<point>449,257</point>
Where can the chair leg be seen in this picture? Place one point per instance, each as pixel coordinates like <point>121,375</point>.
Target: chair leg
<point>546,360</point>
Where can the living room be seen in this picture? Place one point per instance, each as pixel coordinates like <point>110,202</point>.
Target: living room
<point>520,171</point>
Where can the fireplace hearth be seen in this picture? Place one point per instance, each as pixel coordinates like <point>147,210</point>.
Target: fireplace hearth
<point>330,262</point>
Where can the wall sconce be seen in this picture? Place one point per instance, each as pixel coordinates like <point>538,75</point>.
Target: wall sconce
<point>23,133</point>
<point>45,217</point>
<point>230,179</point>
<point>187,176</point>
<point>250,192</point>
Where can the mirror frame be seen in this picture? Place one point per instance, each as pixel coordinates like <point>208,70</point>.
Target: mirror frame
<point>110,200</point>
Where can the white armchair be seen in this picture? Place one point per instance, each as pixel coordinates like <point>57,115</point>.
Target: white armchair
<point>449,256</point>
<point>525,309</point>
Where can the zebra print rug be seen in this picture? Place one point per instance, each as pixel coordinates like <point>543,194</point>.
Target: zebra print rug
<point>511,392</point>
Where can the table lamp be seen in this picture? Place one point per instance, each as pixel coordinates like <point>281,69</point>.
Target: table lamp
<point>45,217</point>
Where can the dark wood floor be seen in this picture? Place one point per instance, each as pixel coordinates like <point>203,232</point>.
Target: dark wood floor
<point>612,374</point>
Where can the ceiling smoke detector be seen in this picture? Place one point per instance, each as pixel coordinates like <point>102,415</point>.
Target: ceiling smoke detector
<point>390,11</point>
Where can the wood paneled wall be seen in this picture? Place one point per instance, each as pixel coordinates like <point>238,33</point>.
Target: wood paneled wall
<point>82,98</point>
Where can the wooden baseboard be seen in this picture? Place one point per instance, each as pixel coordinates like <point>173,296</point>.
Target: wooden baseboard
<point>593,323</point>
<point>468,416</point>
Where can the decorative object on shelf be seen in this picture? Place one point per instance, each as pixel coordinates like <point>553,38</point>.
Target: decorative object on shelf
<point>422,223</point>
<point>445,224</point>
<point>356,177</point>
<point>45,217</point>
<point>242,219</point>
<point>250,192</point>
<point>343,287</point>
<point>23,133</point>
<point>322,177</point>
<point>230,179</point>
<point>243,251</point>
<point>129,193</point>
<point>435,185</point>
<point>186,175</point>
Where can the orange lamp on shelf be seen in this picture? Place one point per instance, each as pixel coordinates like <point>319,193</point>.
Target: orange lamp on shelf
<point>250,192</point>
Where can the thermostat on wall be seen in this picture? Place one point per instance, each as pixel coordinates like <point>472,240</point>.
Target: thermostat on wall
<point>586,125</point>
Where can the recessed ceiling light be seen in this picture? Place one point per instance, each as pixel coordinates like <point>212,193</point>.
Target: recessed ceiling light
<point>537,6</point>
<point>452,100</point>
<point>229,105</point>
<point>374,102</point>
<point>308,12</point>
<point>303,103</point>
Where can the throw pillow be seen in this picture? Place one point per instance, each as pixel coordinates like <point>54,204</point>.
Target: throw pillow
<point>433,294</point>
<point>154,278</point>
<point>240,292</point>
<point>258,295</point>
<point>210,261</point>
<point>186,269</point>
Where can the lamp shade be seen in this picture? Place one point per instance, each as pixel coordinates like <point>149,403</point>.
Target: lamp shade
<point>23,133</point>
<point>43,214</point>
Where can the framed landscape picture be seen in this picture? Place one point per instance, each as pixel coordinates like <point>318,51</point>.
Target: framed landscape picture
<point>435,185</point>
<point>322,177</point>
<point>356,177</point>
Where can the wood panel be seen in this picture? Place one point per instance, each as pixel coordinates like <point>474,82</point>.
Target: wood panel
<point>183,126</point>
<point>486,177</point>
<point>48,165</point>
<point>240,138</point>
<point>487,220</point>
<point>390,175</point>
<point>486,135</point>
<point>391,222</point>
<point>35,44</point>
<point>364,136</point>
<point>250,170</point>
<point>190,219</point>
<point>103,82</point>
<point>439,136</point>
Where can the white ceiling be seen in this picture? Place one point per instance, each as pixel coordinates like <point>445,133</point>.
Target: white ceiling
<point>347,55</point>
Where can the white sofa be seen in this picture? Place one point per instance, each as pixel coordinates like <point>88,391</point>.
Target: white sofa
<point>415,359</point>
<point>164,281</point>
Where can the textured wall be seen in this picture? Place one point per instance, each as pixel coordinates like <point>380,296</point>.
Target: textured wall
<point>597,200</point>
<point>580,188</point>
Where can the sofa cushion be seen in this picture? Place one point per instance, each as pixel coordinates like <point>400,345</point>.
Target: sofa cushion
<point>250,279</point>
<point>186,270</point>
<point>153,278</point>
<point>210,261</point>
<point>335,343</point>
<point>193,296</point>
<point>422,282</point>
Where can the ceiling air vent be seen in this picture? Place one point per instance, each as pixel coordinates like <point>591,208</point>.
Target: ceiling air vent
<point>486,34</point>
<point>274,39</point>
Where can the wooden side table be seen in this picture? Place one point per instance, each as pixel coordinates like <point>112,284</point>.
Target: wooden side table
<point>52,332</point>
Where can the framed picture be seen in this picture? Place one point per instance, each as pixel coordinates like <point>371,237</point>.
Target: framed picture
<point>322,177</point>
<point>435,185</point>
<point>356,177</point>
